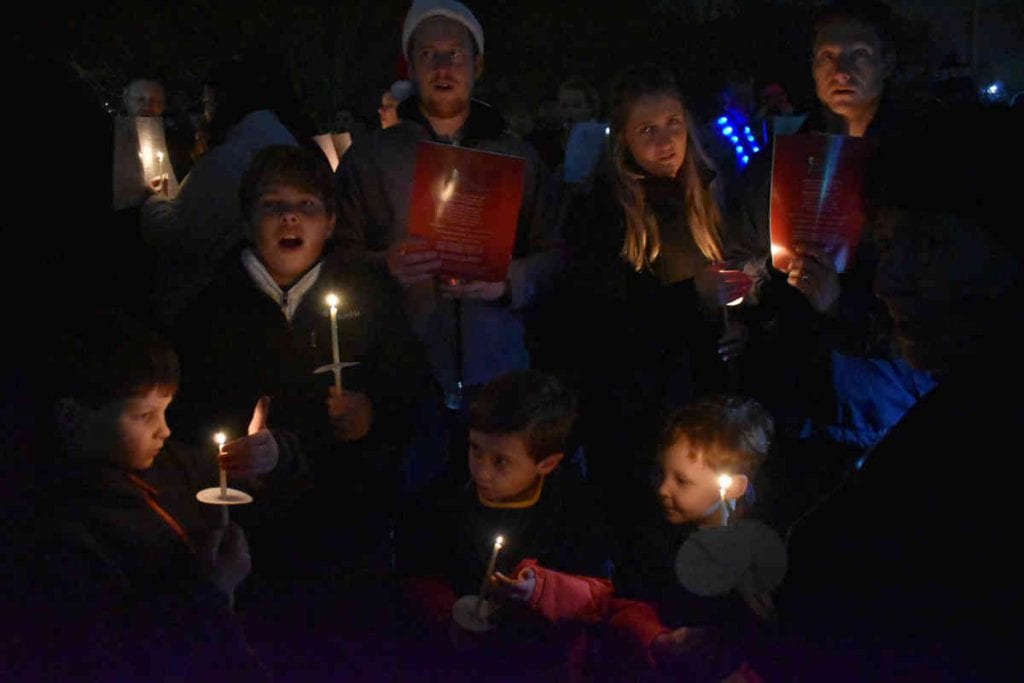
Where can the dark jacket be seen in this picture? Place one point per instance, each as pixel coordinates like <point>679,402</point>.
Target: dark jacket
<point>444,542</point>
<point>808,357</point>
<point>374,184</point>
<point>632,344</point>
<point>236,345</point>
<point>111,591</point>
<point>905,572</point>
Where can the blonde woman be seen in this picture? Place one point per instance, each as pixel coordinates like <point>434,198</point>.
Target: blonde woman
<point>637,325</point>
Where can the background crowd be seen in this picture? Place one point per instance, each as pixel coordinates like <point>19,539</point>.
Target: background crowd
<point>640,346</point>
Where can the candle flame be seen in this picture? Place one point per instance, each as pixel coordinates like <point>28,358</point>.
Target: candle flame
<point>498,542</point>
<point>735,302</point>
<point>220,438</point>
<point>724,482</point>
<point>333,300</point>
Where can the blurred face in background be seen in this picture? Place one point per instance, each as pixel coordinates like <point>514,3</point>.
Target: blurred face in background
<point>144,98</point>
<point>388,110</point>
<point>936,271</point>
<point>573,106</point>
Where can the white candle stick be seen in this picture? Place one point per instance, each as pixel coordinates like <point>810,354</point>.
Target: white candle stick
<point>332,301</point>
<point>724,482</point>
<point>220,438</point>
<point>725,311</point>
<point>498,542</point>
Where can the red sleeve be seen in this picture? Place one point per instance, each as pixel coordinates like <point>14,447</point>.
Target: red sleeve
<point>640,624</point>
<point>559,597</point>
<point>430,598</point>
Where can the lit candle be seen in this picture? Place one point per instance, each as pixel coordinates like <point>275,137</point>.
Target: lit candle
<point>220,439</point>
<point>724,482</point>
<point>160,164</point>
<point>498,542</point>
<point>332,301</point>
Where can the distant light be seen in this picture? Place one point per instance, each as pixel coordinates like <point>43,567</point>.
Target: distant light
<point>756,149</point>
<point>607,130</point>
<point>750,137</point>
<point>993,89</point>
<point>734,139</point>
<point>746,158</point>
<point>727,130</point>
<point>722,120</point>
<point>746,129</point>
<point>739,149</point>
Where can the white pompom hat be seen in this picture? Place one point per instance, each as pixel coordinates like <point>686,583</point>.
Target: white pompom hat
<point>422,10</point>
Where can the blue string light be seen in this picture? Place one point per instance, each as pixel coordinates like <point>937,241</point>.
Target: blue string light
<point>728,130</point>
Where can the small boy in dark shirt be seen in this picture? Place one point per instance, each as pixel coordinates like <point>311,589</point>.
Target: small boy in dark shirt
<point>127,575</point>
<point>552,573</point>
<point>668,628</point>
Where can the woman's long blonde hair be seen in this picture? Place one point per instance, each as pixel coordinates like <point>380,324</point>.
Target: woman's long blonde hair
<point>642,243</point>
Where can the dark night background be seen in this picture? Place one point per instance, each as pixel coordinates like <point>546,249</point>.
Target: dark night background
<point>343,54</point>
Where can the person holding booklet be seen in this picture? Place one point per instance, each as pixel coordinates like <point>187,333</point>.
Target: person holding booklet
<point>473,330</point>
<point>829,375</point>
<point>639,323</point>
<point>899,574</point>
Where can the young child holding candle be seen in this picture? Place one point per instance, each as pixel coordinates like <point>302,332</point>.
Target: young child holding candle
<point>710,450</point>
<point>126,571</point>
<point>265,325</point>
<point>550,568</point>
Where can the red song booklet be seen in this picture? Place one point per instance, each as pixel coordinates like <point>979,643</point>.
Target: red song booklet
<point>817,182</point>
<point>465,202</point>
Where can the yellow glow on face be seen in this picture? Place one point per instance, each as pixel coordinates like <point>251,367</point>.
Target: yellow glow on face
<point>333,300</point>
<point>220,438</point>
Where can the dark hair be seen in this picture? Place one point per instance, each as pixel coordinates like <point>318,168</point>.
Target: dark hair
<point>873,13</point>
<point>528,402</point>
<point>729,432</point>
<point>107,356</point>
<point>286,165</point>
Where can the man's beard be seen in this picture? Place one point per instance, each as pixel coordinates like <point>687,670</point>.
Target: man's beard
<point>446,108</point>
